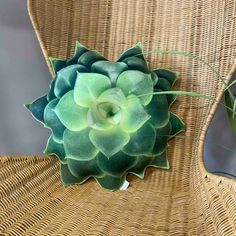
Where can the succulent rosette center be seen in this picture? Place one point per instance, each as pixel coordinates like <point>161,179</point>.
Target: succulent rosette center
<point>104,118</point>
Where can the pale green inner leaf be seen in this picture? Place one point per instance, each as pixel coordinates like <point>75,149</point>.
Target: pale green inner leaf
<point>78,145</point>
<point>142,141</point>
<point>72,116</point>
<point>88,87</point>
<point>113,95</point>
<point>109,142</point>
<point>136,83</point>
<point>134,116</point>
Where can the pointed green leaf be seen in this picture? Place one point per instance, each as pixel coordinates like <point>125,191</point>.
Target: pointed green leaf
<point>78,145</point>
<point>161,161</point>
<point>113,95</point>
<point>90,57</point>
<point>72,116</point>
<point>84,169</point>
<point>158,108</point>
<point>55,148</point>
<point>134,115</point>
<point>177,124</point>
<point>68,178</point>
<point>79,50</point>
<point>109,142</point>
<point>135,63</point>
<point>165,85</point>
<point>162,136</point>
<point>111,183</point>
<point>154,78</point>
<point>136,83</point>
<point>37,108</point>
<point>57,64</point>
<point>171,76</point>
<point>141,165</point>
<point>52,121</point>
<point>117,165</point>
<point>88,87</point>
<point>65,79</point>
<point>96,120</point>
<point>110,69</point>
<point>136,51</point>
<point>142,141</point>
<point>51,95</point>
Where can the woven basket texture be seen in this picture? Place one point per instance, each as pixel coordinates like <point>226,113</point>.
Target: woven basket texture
<point>185,200</point>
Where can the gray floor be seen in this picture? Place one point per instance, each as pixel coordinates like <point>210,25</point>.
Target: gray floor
<point>25,76</point>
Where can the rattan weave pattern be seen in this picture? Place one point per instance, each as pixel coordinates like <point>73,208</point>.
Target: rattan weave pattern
<point>187,200</point>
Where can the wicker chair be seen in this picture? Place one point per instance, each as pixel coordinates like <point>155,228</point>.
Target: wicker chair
<point>186,200</point>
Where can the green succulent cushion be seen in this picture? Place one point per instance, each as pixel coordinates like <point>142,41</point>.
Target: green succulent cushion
<point>104,118</point>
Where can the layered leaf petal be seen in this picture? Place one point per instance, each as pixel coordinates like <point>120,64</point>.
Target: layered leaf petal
<point>136,51</point>
<point>52,121</point>
<point>164,84</point>
<point>162,136</point>
<point>110,182</point>
<point>37,108</point>
<point>142,141</point>
<point>134,115</point>
<point>161,161</point>
<point>115,96</point>
<point>136,83</point>
<point>96,120</point>
<point>57,64</point>
<point>88,87</point>
<point>110,69</point>
<point>79,50</point>
<point>136,63</point>
<point>78,145</point>
<point>158,109</point>
<point>154,78</point>
<point>177,124</point>
<point>55,148</point>
<point>140,167</point>
<point>68,178</point>
<point>72,116</point>
<point>65,80</point>
<point>51,95</point>
<point>109,142</point>
<point>84,169</point>
<point>171,76</point>
<point>116,165</point>
<point>88,58</point>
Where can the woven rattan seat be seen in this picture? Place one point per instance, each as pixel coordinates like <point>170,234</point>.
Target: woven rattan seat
<point>185,200</point>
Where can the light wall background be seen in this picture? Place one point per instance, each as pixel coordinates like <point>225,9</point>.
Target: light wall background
<point>24,76</point>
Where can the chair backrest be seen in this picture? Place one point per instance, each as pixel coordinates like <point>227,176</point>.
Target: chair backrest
<point>204,28</point>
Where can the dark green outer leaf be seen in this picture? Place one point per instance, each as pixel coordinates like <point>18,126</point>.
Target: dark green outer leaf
<point>231,117</point>
<point>52,121</point>
<point>160,161</point>
<point>110,182</point>
<point>136,50</point>
<point>116,165</point>
<point>51,95</point>
<point>37,108</point>
<point>110,69</point>
<point>84,169</point>
<point>168,74</point>
<point>56,148</point>
<point>67,178</point>
<point>177,124</point>
<point>141,165</point>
